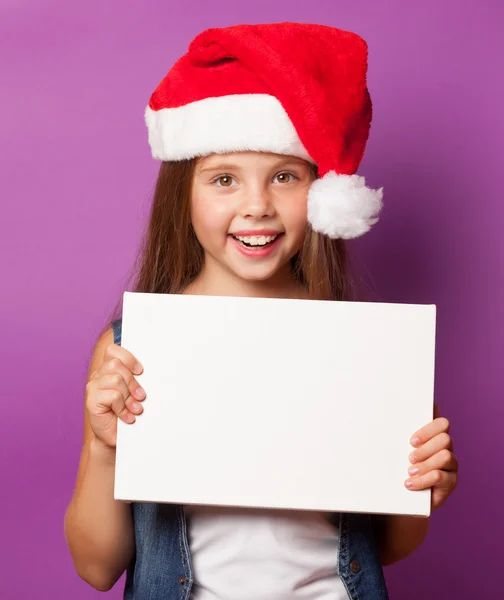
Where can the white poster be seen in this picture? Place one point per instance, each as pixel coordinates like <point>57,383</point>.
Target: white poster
<point>276,403</point>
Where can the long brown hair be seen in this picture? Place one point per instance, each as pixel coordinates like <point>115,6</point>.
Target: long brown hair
<point>171,257</point>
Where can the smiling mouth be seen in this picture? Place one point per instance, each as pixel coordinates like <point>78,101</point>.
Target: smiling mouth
<point>255,241</point>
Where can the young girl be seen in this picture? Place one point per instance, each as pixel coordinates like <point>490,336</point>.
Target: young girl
<point>260,130</point>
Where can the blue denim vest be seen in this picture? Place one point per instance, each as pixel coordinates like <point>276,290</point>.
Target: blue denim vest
<point>162,567</point>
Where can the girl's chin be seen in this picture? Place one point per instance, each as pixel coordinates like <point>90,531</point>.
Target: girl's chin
<point>255,275</point>
<point>260,272</point>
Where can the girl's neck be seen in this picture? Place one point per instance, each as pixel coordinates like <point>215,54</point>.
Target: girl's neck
<point>209,283</point>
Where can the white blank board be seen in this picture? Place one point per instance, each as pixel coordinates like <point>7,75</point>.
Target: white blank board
<point>276,403</point>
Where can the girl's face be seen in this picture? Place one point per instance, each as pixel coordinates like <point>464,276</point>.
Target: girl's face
<point>249,212</point>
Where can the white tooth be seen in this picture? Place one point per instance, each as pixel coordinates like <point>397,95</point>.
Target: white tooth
<point>256,240</point>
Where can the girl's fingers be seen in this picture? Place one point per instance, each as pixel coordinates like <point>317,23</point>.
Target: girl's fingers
<point>432,429</point>
<point>115,367</point>
<point>443,460</point>
<point>443,480</point>
<point>442,441</point>
<point>434,464</point>
<point>115,400</point>
<point>116,382</point>
<point>114,375</point>
<point>113,381</point>
<point>130,361</point>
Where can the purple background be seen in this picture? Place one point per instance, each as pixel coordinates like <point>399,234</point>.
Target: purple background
<point>76,179</point>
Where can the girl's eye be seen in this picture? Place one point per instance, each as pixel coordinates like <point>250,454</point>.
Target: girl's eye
<point>285,177</point>
<point>224,181</point>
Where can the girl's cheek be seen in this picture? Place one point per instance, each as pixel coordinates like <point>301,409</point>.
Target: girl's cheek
<point>297,213</point>
<point>206,211</point>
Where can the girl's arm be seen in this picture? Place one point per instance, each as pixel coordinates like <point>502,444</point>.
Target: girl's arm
<point>434,466</point>
<point>399,536</point>
<point>98,529</point>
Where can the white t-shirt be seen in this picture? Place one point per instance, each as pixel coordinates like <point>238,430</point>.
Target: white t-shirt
<point>257,554</point>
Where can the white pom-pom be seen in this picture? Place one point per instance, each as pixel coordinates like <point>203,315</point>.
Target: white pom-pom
<point>341,206</point>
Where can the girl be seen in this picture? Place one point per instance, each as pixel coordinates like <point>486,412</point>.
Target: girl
<point>260,130</point>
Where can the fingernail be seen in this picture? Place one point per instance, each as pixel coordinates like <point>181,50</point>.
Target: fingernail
<point>136,406</point>
<point>409,483</point>
<point>412,459</point>
<point>140,393</point>
<point>415,441</point>
<point>413,470</point>
<point>138,368</point>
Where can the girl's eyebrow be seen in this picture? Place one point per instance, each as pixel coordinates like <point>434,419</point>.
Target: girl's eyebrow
<point>234,167</point>
<point>220,167</point>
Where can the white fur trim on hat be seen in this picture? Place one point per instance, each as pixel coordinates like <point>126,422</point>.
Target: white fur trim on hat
<point>341,206</point>
<point>233,123</point>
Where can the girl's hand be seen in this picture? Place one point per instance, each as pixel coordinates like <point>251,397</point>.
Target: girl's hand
<point>112,392</point>
<point>433,464</point>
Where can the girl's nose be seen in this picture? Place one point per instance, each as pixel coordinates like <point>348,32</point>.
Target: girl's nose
<point>257,204</point>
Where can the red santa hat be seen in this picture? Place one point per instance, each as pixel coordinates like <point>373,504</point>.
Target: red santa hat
<point>288,88</point>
